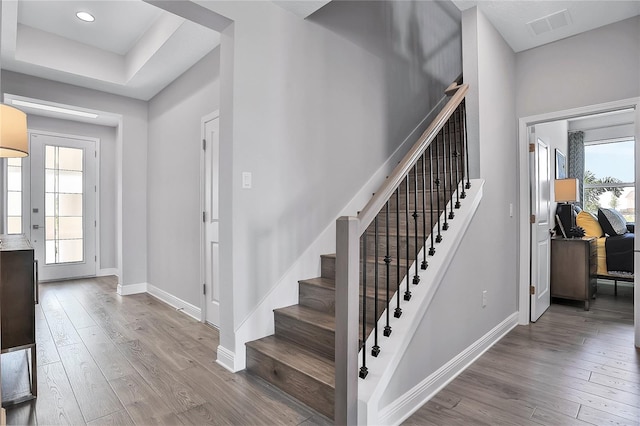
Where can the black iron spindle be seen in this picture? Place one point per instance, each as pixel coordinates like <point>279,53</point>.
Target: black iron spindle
<point>398,311</point>
<point>456,153</point>
<point>432,249</point>
<point>387,262</point>
<point>363,370</point>
<point>424,214</point>
<point>416,277</point>
<point>407,293</point>
<point>375,350</point>
<point>450,159</point>
<point>466,142</point>
<point>437,182</point>
<point>445,224</point>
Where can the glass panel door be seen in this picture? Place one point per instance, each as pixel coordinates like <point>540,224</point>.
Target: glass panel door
<point>14,195</point>
<point>63,206</point>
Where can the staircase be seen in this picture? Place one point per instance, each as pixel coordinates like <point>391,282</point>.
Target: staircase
<point>299,357</point>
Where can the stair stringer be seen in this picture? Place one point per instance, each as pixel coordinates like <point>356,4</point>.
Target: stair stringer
<point>382,368</point>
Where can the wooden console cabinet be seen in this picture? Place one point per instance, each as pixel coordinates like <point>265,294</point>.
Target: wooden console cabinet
<point>18,296</point>
<point>573,269</point>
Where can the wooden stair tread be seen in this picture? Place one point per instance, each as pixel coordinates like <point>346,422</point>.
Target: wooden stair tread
<point>327,283</point>
<point>308,315</point>
<point>297,357</point>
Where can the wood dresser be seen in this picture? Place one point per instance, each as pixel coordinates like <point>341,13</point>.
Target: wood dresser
<point>573,269</point>
<point>18,296</point>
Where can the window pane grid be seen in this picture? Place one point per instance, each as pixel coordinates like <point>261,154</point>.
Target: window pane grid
<point>64,224</point>
<point>609,177</point>
<point>14,195</point>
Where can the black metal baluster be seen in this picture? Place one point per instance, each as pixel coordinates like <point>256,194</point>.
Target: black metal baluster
<point>445,225</point>
<point>375,350</point>
<point>416,277</point>
<point>387,262</point>
<point>432,249</point>
<point>424,214</point>
<point>398,312</point>
<point>451,138</point>
<point>407,293</point>
<point>466,142</point>
<point>363,370</point>
<point>437,182</point>
<point>456,154</point>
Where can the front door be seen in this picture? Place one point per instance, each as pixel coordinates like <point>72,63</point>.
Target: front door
<point>211,221</point>
<point>540,226</point>
<point>63,206</point>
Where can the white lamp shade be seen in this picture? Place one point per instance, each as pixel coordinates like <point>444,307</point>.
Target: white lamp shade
<point>567,190</point>
<point>13,132</point>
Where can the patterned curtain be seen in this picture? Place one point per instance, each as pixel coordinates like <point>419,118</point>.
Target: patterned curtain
<point>576,160</point>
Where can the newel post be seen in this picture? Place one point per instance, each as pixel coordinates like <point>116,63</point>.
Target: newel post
<point>347,326</point>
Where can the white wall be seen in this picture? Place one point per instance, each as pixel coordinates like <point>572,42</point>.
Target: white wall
<point>174,178</point>
<point>312,113</point>
<point>487,258</point>
<point>107,136</point>
<point>131,152</point>
<point>598,66</point>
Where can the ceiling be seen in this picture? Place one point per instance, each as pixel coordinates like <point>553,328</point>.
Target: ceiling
<point>549,20</point>
<point>132,48</point>
<point>135,49</point>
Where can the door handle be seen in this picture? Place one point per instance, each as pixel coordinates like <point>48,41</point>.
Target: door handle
<point>36,226</point>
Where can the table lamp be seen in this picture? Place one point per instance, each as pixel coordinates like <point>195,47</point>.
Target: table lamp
<point>567,192</point>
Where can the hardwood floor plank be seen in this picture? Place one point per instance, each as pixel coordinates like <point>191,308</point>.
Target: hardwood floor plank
<point>549,417</point>
<point>248,401</point>
<point>79,317</point>
<point>601,418</point>
<point>56,403</point>
<point>169,351</point>
<point>105,353</point>
<point>117,418</point>
<point>525,399</point>
<point>616,383</point>
<point>161,377</point>
<point>93,393</point>
<point>61,328</point>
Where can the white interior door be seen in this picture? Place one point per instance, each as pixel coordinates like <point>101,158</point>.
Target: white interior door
<point>540,226</point>
<point>63,206</point>
<point>211,221</point>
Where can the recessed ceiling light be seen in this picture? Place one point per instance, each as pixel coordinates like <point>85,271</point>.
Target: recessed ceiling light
<point>85,16</point>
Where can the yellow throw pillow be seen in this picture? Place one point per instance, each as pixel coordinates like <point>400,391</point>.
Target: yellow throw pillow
<point>590,224</point>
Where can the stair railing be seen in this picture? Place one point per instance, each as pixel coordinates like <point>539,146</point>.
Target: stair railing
<point>435,170</point>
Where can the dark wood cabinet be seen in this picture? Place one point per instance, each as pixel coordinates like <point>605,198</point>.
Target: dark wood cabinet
<point>18,298</point>
<point>573,269</point>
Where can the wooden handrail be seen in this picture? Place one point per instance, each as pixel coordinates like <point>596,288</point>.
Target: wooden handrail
<point>399,173</point>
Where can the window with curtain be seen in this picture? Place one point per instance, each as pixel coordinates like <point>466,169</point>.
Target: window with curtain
<point>609,176</point>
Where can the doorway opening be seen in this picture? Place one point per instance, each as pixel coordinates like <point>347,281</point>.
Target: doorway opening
<point>572,119</point>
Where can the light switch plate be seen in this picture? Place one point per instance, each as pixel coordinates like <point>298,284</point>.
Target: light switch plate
<point>246,180</point>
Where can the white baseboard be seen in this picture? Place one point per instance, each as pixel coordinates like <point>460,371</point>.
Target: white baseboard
<point>399,410</point>
<point>226,358</point>
<point>127,289</point>
<point>186,307</point>
<point>106,272</point>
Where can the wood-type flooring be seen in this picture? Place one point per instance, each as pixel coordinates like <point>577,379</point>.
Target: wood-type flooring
<point>572,367</point>
<point>106,359</point>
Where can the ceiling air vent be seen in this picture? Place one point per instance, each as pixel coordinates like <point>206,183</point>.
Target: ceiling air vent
<point>550,22</point>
